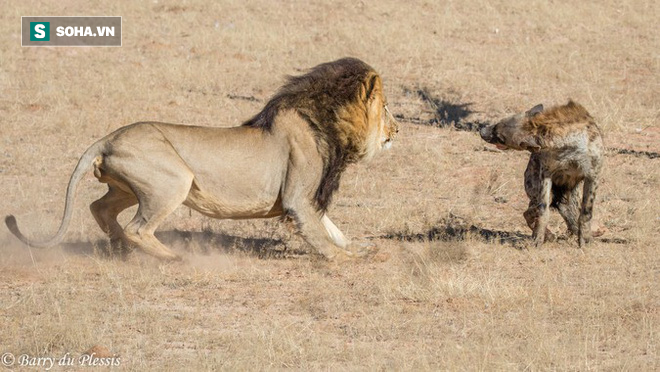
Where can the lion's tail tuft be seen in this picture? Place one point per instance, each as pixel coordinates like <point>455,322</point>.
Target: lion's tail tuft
<point>10,221</point>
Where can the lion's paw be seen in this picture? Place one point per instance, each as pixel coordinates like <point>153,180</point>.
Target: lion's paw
<point>364,249</point>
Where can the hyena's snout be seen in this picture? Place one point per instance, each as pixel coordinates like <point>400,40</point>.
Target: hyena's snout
<point>486,133</point>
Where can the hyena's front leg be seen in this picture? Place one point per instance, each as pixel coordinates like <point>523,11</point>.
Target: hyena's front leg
<point>584,222</point>
<point>532,216</point>
<point>534,190</point>
<point>543,212</point>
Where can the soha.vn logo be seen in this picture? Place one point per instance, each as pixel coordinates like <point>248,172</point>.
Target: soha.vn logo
<point>71,31</point>
<point>39,31</point>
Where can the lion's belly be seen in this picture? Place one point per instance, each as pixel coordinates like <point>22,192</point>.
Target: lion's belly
<point>257,205</point>
<point>238,172</point>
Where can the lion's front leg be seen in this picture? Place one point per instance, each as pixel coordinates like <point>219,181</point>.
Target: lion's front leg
<point>341,241</point>
<point>313,227</point>
<point>335,234</point>
<point>310,225</point>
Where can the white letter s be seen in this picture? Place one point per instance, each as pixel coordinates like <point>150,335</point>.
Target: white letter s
<point>39,31</point>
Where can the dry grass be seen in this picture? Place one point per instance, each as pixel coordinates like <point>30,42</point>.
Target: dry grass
<point>418,305</point>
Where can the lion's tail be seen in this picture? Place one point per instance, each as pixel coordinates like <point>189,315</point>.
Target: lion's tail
<point>83,165</point>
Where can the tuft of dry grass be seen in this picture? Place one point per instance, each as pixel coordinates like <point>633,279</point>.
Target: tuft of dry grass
<point>246,295</point>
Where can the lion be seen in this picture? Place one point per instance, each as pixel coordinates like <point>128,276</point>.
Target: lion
<point>286,162</point>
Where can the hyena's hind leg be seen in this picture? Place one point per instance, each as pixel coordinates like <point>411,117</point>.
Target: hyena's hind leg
<point>105,212</point>
<point>584,221</point>
<point>568,206</point>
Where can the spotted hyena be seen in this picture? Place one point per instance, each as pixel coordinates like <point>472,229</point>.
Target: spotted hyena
<point>566,150</point>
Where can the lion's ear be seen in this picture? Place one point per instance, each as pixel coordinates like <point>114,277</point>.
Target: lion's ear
<point>372,86</point>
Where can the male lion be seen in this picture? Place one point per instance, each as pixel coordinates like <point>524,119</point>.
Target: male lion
<point>285,161</point>
<point>566,149</point>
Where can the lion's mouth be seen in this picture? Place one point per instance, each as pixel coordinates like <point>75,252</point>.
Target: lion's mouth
<point>387,145</point>
<point>501,146</point>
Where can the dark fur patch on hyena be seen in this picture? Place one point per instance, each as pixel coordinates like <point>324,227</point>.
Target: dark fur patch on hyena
<point>559,195</point>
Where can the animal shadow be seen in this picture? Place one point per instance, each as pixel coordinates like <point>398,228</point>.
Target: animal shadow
<point>455,228</point>
<point>446,114</point>
<point>196,242</point>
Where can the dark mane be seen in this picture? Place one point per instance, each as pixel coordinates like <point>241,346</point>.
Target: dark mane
<point>317,97</point>
<point>317,94</point>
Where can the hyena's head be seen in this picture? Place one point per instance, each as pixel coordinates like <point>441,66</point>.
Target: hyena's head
<point>512,133</point>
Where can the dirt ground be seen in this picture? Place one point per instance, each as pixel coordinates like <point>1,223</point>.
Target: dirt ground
<point>452,287</point>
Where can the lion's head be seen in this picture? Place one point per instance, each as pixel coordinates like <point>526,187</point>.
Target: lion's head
<point>343,103</point>
<point>381,124</point>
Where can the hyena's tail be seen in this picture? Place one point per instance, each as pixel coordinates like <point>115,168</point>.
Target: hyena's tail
<point>84,163</point>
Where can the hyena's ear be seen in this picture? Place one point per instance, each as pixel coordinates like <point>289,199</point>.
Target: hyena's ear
<point>534,111</point>
<point>530,143</point>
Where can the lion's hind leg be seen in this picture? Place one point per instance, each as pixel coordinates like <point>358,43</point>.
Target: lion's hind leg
<point>160,187</point>
<point>154,208</point>
<point>140,232</point>
<point>105,212</point>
